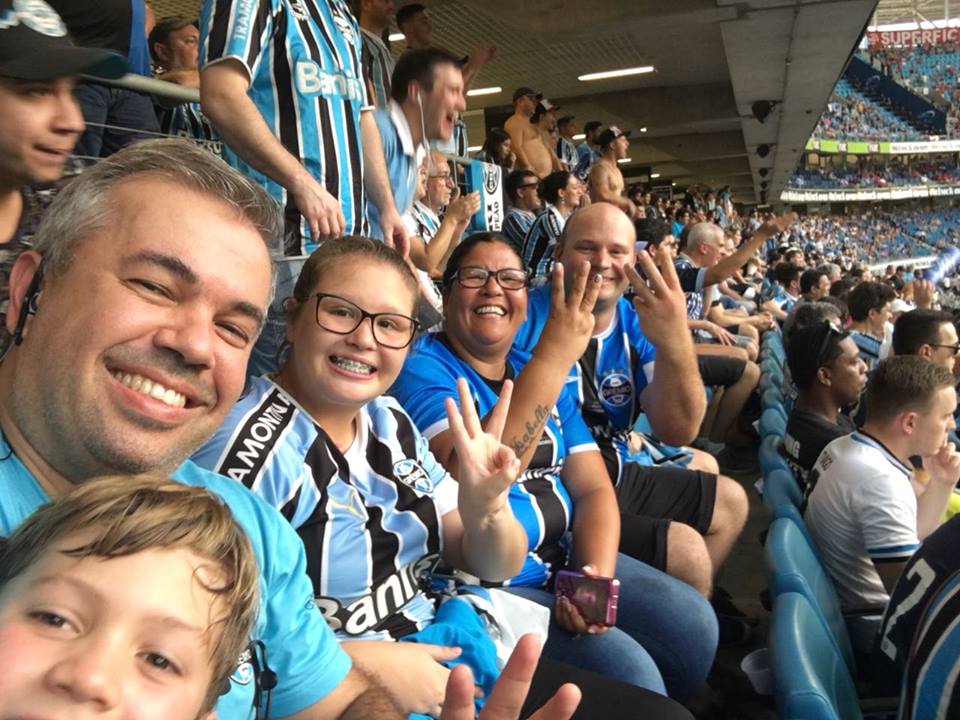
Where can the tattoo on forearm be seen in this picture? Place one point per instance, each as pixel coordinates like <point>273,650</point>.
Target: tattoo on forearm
<point>532,431</point>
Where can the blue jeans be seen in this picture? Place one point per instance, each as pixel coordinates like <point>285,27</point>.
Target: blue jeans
<point>265,356</point>
<point>666,633</point>
<point>105,105</point>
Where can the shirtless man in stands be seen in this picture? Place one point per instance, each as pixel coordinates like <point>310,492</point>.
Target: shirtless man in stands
<point>606,180</point>
<point>532,153</point>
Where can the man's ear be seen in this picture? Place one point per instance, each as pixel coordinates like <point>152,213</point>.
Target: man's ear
<point>823,375</point>
<point>908,422</point>
<point>160,50</point>
<point>21,275</point>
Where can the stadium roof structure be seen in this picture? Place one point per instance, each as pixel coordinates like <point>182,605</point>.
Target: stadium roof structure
<point>714,60</point>
<point>905,11</point>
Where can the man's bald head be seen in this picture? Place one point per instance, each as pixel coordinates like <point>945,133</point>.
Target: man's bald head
<point>604,236</point>
<point>589,221</point>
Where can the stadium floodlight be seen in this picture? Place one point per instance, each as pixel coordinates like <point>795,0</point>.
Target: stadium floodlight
<point>607,74</point>
<point>396,37</point>
<point>484,91</point>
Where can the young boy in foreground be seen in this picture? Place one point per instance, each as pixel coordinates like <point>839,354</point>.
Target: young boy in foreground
<point>129,596</point>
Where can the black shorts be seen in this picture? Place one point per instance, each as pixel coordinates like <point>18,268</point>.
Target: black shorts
<point>650,498</point>
<point>719,370</point>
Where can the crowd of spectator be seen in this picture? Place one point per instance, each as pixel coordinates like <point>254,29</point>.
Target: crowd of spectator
<point>225,490</point>
<point>876,176</point>
<point>928,70</point>
<point>851,115</point>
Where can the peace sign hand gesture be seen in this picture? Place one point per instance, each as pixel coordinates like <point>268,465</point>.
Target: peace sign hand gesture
<point>487,467</point>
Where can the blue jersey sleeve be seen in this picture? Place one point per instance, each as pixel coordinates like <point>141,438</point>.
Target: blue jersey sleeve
<point>423,384</point>
<point>576,434</point>
<point>538,311</point>
<point>237,29</point>
<point>303,651</point>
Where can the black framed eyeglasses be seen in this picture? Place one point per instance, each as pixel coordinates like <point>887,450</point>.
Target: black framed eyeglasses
<point>507,278</point>
<point>955,348</point>
<point>833,331</point>
<point>338,315</point>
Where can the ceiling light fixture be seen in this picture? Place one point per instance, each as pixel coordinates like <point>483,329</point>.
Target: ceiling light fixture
<point>396,37</point>
<point>624,161</point>
<point>484,91</point>
<point>580,136</point>
<point>606,75</point>
<point>643,129</point>
<point>654,176</point>
<point>475,148</point>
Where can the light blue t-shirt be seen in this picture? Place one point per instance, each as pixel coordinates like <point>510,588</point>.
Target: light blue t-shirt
<point>302,650</point>
<point>402,159</point>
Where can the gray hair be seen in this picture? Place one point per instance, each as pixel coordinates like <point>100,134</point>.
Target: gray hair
<point>829,268</point>
<point>701,232</point>
<point>83,207</point>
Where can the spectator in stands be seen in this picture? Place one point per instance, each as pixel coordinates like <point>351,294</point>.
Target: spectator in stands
<point>139,393</point>
<point>544,118</point>
<point>117,25</point>
<point>606,180</point>
<point>431,240</point>
<point>610,400</point>
<point>188,593</point>
<point>426,94</point>
<point>931,334</point>
<point>174,48</point>
<point>562,192</point>
<point>868,508</point>
<point>334,405</point>
<point>563,474</point>
<point>498,150</point>
<point>522,188</point>
<point>588,148</point>
<point>869,311</point>
<point>787,276</point>
<point>841,289</point>
<point>566,148</point>
<point>915,646</point>
<point>829,375</point>
<point>39,125</point>
<point>289,146</point>
<point>526,141</point>
<point>832,271</point>
<point>814,285</point>
<point>373,17</point>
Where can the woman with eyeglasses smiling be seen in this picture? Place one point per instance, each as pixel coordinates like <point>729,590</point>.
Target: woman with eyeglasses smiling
<point>350,471</point>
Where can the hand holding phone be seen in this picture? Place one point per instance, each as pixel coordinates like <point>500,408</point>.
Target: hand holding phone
<point>595,598</point>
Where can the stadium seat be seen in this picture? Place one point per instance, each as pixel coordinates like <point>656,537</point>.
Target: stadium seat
<point>772,399</point>
<point>768,381</point>
<point>769,455</point>
<point>780,487</point>
<point>793,566</point>
<point>810,677</point>
<point>772,422</point>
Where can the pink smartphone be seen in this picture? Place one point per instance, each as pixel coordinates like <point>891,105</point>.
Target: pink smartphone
<point>595,597</point>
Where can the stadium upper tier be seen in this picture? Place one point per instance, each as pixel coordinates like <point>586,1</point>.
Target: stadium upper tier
<point>928,71</point>
<point>876,177</point>
<point>851,115</point>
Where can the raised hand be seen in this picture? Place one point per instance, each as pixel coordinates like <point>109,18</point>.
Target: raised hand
<point>660,303</point>
<point>944,467</point>
<point>319,208</point>
<point>487,467</point>
<point>462,207</point>
<point>569,328</point>
<point>777,224</point>
<point>509,692</point>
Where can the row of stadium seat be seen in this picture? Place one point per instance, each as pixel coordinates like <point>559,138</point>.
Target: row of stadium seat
<point>811,655</point>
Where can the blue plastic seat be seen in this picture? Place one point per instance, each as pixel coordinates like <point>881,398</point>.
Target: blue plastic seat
<point>772,422</point>
<point>794,567</point>
<point>811,680</point>
<point>769,455</point>
<point>780,487</point>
